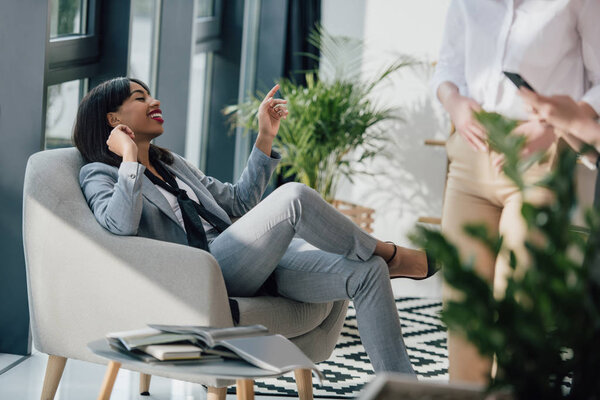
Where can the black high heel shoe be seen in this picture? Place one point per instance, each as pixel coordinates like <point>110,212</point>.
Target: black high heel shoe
<point>432,266</point>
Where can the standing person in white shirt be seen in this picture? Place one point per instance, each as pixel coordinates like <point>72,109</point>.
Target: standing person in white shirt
<point>555,46</point>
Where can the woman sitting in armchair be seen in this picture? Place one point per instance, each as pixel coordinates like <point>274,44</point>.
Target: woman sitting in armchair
<point>310,251</point>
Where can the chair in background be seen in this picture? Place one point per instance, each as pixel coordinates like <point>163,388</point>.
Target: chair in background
<point>84,282</point>
<point>361,216</point>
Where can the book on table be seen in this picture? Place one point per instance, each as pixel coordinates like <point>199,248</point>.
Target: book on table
<point>181,343</point>
<point>177,351</point>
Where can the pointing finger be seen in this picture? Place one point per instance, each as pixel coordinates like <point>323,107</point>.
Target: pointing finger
<point>272,92</point>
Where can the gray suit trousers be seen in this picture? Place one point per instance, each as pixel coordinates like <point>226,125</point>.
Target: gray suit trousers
<point>316,254</point>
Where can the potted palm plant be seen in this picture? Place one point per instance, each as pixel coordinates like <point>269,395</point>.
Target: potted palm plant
<point>334,125</point>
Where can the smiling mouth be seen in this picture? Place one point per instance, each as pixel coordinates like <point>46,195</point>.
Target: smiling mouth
<point>157,115</point>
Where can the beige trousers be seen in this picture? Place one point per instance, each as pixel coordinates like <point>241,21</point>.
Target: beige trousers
<point>476,193</point>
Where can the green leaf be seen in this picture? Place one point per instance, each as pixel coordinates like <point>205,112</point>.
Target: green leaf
<point>551,305</point>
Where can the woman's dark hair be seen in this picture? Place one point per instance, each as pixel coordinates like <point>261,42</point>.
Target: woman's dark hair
<point>91,126</point>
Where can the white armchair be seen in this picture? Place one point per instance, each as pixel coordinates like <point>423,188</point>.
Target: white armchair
<point>84,281</point>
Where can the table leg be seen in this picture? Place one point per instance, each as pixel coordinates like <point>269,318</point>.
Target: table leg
<point>216,393</point>
<point>245,389</point>
<point>145,384</point>
<point>109,380</point>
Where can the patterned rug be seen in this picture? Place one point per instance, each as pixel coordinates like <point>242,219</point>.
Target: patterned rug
<point>349,369</point>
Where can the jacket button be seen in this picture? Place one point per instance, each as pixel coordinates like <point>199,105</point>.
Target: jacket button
<point>132,176</point>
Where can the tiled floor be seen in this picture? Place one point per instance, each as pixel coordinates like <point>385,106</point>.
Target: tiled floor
<point>82,380</point>
<point>9,360</point>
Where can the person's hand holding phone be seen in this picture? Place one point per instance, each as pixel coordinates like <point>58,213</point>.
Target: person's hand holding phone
<point>540,136</point>
<point>561,111</point>
<point>573,121</point>
<point>518,80</point>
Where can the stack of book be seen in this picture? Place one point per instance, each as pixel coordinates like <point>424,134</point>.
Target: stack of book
<point>198,344</point>
<point>174,343</point>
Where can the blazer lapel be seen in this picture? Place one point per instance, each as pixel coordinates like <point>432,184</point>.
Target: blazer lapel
<point>150,192</point>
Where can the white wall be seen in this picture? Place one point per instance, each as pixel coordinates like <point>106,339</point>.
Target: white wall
<point>408,181</point>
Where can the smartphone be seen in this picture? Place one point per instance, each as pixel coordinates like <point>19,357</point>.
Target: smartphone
<point>518,80</point>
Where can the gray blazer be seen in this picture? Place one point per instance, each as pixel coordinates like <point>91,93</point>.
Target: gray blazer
<point>125,202</point>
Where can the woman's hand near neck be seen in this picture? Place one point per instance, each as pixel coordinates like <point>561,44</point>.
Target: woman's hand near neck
<point>131,148</point>
<point>121,141</point>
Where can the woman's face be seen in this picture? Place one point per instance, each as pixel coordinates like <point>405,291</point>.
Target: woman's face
<point>140,112</point>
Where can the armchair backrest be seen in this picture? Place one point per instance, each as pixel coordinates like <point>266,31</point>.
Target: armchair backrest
<point>84,282</point>
<point>54,209</point>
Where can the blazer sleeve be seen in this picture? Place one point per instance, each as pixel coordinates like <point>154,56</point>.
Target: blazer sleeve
<point>239,198</point>
<point>115,196</point>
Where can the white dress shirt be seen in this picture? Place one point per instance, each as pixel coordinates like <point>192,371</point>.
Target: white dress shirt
<point>172,199</point>
<point>553,44</point>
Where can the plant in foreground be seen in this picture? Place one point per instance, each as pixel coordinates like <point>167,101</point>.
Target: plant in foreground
<point>545,329</point>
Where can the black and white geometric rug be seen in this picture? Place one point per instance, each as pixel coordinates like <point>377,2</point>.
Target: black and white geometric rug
<point>348,369</point>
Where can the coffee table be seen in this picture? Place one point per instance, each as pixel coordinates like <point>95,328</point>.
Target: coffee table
<point>239,370</point>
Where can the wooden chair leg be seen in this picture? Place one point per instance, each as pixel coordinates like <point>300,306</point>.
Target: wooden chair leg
<point>109,380</point>
<point>245,389</point>
<point>145,384</point>
<point>304,383</point>
<point>54,371</point>
<point>216,393</point>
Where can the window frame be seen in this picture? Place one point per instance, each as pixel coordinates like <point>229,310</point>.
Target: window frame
<point>77,56</point>
<point>207,31</point>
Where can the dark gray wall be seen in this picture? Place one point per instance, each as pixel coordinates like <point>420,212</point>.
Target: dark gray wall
<point>220,149</point>
<point>271,43</point>
<point>22,45</point>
